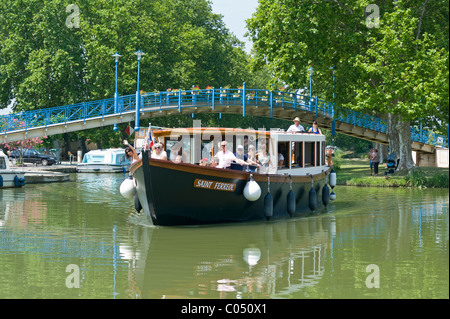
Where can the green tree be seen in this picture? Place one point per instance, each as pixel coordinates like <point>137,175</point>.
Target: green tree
<point>44,63</point>
<point>398,70</point>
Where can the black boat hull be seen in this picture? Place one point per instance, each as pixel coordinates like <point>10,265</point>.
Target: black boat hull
<point>185,194</point>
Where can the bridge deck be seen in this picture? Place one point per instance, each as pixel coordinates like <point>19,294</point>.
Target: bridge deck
<point>277,104</point>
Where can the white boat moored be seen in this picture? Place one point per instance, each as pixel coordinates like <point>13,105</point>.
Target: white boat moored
<point>104,161</point>
<point>9,177</point>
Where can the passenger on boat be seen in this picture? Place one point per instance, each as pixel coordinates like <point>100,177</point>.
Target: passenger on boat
<point>130,152</point>
<point>240,153</point>
<point>158,152</point>
<point>314,129</point>
<point>296,127</point>
<point>225,156</point>
<point>214,162</point>
<point>204,162</point>
<point>251,156</point>
<point>178,159</point>
<point>280,160</point>
<point>263,159</point>
<point>328,155</point>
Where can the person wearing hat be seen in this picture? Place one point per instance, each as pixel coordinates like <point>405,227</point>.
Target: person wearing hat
<point>296,127</point>
<point>240,153</point>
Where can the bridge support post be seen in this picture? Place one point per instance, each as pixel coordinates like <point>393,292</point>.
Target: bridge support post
<point>315,105</point>
<point>295,102</point>
<point>243,99</point>
<point>138,104</point>
<point>271,104</point>
<point>179,101</point>
<point>212,97</point>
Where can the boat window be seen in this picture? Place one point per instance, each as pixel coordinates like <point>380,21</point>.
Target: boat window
<point>322,151</point>
<point>246,141</point>
<point>317,153</point>
<point>97,158</point>
<point>2,163</point>
<point>283,155</point>
<point>297,154</point>
<point>121,158</point>
<point>309,153</point>
<point>178,151</point>
<point>207,149</point>
<point>263,155</point>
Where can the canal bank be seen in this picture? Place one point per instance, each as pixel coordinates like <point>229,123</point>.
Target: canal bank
<point>356,172</point>
<point>36,174</point>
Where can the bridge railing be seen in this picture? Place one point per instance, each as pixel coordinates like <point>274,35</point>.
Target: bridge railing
<point>178,99</point>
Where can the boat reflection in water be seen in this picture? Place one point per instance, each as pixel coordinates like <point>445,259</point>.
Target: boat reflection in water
<point>272,260</point>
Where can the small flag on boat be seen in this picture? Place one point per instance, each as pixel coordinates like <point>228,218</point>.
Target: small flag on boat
<point>148,143</point>
<point>129,130</point>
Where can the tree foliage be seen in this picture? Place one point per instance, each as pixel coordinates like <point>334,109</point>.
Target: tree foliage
<point>397,69</point>
<point>400,67</point>
<point>44,63</point>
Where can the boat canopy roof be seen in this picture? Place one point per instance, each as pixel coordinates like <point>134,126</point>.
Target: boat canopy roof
<point>278,134</point>
<point>277,151</point>
<point>208,130</point>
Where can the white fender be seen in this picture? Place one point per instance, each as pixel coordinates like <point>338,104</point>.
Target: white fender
<point>128,188</point>
<point>332,179</point>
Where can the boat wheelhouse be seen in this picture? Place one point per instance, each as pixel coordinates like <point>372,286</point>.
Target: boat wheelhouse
<point>9,177</point>
<point>290,177</point>
<point>104,161</point>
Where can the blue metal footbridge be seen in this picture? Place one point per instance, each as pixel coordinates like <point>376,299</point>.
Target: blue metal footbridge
<point>276,104</point>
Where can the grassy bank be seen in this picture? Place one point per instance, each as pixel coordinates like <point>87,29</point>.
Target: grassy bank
<point>356,172</point>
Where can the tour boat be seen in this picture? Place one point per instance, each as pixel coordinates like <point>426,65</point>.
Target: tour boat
<point>291,179</point>
<point>9,177</point>
<point>104,161</point>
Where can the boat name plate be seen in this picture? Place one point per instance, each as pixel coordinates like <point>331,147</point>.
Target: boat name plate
<point>213,185</point>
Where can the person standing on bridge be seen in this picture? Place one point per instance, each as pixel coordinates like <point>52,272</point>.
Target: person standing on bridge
<point>296,127</point>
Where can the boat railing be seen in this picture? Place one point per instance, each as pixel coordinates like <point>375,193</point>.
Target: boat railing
<point>173,99</point>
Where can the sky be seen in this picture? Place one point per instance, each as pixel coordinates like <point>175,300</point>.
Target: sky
<point>234,12</point>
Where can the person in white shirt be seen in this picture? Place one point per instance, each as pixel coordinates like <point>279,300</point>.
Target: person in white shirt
<point>296,127</point>
<point>159,153</point>
<point>225,156</point>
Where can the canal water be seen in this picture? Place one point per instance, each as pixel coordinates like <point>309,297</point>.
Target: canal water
<point>81,239</point>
